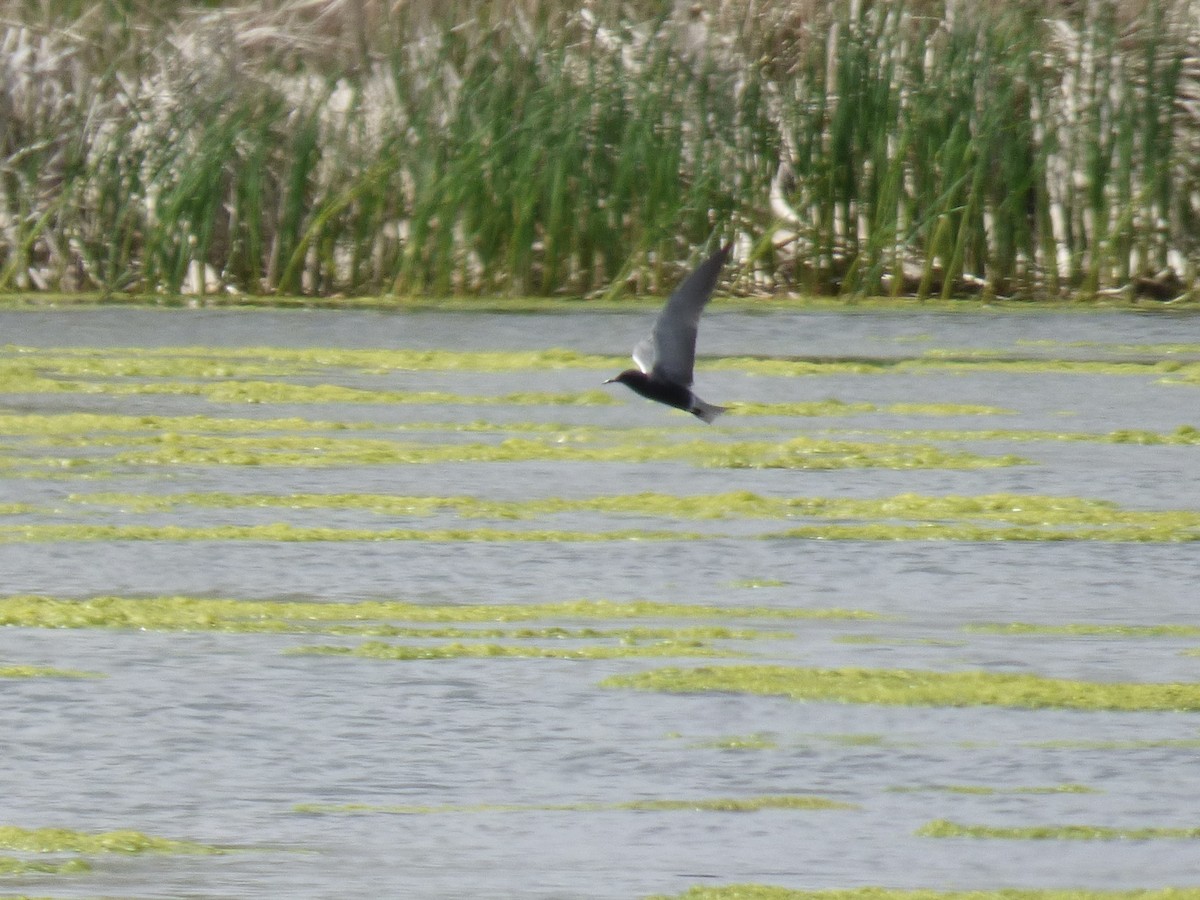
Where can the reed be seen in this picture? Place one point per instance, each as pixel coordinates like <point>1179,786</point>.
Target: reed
<point>924,147</point>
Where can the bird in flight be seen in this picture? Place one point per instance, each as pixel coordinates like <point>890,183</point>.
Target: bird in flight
<point>665,358</point>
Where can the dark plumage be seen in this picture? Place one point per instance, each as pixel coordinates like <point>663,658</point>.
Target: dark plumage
<point>666,357</point>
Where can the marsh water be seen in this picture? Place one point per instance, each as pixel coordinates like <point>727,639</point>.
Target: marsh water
<point>325,775</point>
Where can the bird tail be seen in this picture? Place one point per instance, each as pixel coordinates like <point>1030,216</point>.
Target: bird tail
<point>706,411</point>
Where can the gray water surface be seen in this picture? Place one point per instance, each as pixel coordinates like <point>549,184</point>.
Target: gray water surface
<point>218,738</point>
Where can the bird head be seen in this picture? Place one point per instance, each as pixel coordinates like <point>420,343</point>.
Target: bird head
<point>629,375</point>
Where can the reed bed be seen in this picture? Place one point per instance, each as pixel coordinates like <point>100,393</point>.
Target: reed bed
<point>1037,150</point>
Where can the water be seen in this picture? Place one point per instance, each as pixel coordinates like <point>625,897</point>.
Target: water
<point>217,737</point>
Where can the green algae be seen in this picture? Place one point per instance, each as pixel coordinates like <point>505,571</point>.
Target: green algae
<point>44,672</point>
<point>936,362</point>
<point>1184,435</point>
<point>96,423</point>
<point>795,453</point>
<point>178,448</point>
<point>947,409</point>
<point>1022,509</point>
<point>719,804</point>
<point>283,532</point>
<point>856,739</point>
<point>875,640</point>
<point>738,742</point>
<point>551,632</point>
<point>989,790</point>
<point>242,362</point>
<point>835,407</point>
<point>1118,746</point>
<point>1015,509</point>
<point>941,828</point>
<point>989,517</point>
<point>1083,629</point>
<point>59,840</point>
<point>770,892</point>
<point>12,866</point>
<point>1164,533</point>
<point>1158,350</point>
<point>286,392</point>
<point>410,652</point>
<point>907,687</point>
<point>217,614</point>
<point>194,361</point>
<point>1036,519</point>
<point>1007,517</point>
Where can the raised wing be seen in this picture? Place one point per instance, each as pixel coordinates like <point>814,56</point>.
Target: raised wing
<point>669,352</point>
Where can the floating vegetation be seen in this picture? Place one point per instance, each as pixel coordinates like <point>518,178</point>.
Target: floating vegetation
<point>1084,629</point>
<point>246,362</point>
<point>937,532</point>
<point>874,640</point>
<point>12,866</point>
<point>839,408</point>
<point>988,790</point>
<point>942,828</point>
<point>200,448</point>
<point>44,672</point>
<point>1169,526</point>
<point>738,742</point>
<point>285,392</point>
<point>291,533</point>
<point>905,516</point>
<point>908,687</point>
<point>986,517</point>
<point>855,739</point>
<point>768,892</point>
<point>720,804</point>
<point>1000,516</point>
<point>796,453</point>
<point>380,650</point>
<point>213,614</point>
<point>60,840</point>
<point>56,365</point>
<point>235,375</point>
<point>1120,746</point>
<point>1010,517</point>
<point>77,424</point>
<point>1184,435</point>
<point>1012,509</point>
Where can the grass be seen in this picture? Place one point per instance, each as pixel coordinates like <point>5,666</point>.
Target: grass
<point>1030,151</point>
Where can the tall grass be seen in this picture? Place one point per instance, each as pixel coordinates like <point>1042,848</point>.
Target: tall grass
<point>356,146</point>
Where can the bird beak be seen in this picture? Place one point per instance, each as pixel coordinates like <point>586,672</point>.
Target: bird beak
<point>609,381</point>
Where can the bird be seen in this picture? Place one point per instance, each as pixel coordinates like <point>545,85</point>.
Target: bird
<point>666,356</point>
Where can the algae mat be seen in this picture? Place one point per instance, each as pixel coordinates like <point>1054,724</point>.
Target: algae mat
<point>313,603</point>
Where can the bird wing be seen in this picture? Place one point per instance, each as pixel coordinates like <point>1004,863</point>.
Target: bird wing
<point>669,352</point>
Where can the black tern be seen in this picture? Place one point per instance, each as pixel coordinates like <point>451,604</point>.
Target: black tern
<point>666,356</point>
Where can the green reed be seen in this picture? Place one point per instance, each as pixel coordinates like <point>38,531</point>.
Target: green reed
<point>916,147</point>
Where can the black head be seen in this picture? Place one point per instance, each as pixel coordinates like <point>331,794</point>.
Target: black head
<point>629,377</point>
